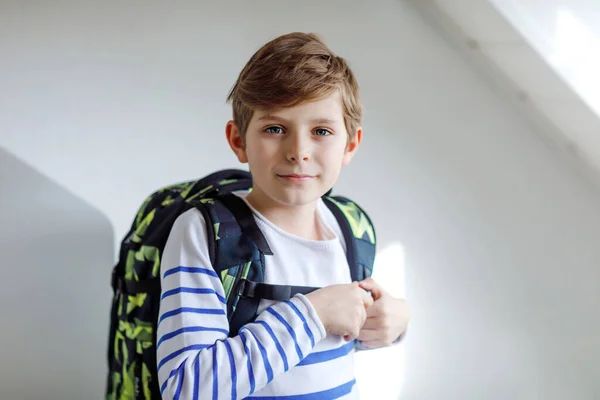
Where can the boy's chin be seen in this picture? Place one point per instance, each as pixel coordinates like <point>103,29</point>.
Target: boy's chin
<point>296,199</point>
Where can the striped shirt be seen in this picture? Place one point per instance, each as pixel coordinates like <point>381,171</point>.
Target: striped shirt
<point>284,354</point>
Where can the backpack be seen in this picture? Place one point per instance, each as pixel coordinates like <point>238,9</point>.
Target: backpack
<point>237,251</point>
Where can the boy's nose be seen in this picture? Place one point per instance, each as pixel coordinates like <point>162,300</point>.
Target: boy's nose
<point>298,157</point>
<point>297,150</point>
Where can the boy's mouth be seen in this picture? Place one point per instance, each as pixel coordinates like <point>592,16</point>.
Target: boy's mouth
<point>296,178</point>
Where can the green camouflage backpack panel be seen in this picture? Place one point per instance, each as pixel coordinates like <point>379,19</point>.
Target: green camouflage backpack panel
<point>136,283</point>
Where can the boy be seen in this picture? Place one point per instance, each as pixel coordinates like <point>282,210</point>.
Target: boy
<point>296,122</point>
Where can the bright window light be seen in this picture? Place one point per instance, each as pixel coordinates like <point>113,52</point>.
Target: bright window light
<point>577,57</point>
<point>379,373</point>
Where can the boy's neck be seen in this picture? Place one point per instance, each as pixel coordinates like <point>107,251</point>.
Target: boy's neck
<point>301,221</point>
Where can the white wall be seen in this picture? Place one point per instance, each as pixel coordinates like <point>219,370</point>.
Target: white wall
<point>55,250</point>
<point>499,234</point>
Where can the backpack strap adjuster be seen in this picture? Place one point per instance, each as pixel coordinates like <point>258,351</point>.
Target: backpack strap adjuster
<point>259,290</point>
<point>241,289</point>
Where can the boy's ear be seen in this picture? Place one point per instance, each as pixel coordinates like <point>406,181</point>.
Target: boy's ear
<point>236,142</point>
<point>352,147</point>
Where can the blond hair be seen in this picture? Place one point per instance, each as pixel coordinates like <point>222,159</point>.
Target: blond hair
<point>290,70</point>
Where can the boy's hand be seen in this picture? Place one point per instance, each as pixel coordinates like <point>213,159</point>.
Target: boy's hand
<point>387,318</point>
<point>341,308</point>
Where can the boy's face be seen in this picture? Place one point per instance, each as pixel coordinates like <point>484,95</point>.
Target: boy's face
<point>295,154</point>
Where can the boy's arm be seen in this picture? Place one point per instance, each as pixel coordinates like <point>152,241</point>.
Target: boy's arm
<point>196,359</point>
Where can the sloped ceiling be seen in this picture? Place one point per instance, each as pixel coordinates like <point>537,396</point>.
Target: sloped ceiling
<point>542,55</point>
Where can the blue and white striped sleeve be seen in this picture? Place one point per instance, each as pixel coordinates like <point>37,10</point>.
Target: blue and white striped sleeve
<point>195,357</point>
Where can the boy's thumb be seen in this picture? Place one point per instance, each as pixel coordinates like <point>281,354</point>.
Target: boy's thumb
<point>370,285</point>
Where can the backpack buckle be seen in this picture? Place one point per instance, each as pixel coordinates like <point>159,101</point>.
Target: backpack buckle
<point>241,289</point>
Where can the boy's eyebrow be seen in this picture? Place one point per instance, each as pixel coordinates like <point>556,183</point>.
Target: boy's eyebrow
<point>313,121</point>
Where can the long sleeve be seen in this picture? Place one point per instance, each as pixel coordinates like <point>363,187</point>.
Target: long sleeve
<point>195,357</point>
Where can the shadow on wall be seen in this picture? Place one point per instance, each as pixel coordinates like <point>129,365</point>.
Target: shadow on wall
<point>56,256</point>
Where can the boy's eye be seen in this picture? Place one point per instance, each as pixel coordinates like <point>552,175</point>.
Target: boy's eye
<point>322,132</point>
<point>274,129</point>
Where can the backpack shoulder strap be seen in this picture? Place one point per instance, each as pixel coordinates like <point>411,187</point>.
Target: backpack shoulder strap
<point>359,234</point>
<point>237,249</point>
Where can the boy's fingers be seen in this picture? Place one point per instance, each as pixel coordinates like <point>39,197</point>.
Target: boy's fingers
<point>373,344</point>
<point>375,310</point>
<point>367,335</point>
<point>371,323</point>
<point>367,299</point>
<point>372,286</point>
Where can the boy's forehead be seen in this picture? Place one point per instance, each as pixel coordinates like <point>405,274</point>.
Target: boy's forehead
<point>328,108</point>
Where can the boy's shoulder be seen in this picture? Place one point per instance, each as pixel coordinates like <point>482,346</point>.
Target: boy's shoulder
<point>189,230</point>
<point>191,225</point>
